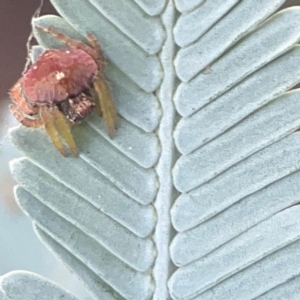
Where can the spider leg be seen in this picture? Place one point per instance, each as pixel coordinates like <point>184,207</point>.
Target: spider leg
<point>96,99</point>
<point>18,114</point>
<point>100,57</point>
<point>107,104</point>
<point>65,130</point>
<point>18,98</point>
<point>93,41</point>
<point>48,118</point>
<point>74,44</point>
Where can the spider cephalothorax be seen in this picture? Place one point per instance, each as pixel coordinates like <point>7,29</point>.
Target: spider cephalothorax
<point>61,88</point>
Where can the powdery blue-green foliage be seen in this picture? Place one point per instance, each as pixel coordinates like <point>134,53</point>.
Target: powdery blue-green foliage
<point>193,198</point>
<point>20,285</point>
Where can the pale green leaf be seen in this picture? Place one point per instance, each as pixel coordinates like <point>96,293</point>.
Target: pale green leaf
<point>195,196</point>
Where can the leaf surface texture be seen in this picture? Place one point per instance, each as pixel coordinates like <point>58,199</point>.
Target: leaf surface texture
<point>195,196</point>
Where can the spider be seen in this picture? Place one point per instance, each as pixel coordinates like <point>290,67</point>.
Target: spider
<point>61,88</point>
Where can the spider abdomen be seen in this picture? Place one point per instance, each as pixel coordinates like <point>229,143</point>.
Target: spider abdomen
<point>58,75</point>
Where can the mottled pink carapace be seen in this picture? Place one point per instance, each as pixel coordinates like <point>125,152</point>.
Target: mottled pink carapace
<point>58,74</point>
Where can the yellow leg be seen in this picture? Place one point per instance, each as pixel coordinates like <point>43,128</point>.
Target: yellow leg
<point>65,130</point>
<point>48,118</point>
<point>95,97</point>
<point>107,105</point>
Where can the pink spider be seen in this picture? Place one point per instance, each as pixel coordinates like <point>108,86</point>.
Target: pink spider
<point>61,88</point>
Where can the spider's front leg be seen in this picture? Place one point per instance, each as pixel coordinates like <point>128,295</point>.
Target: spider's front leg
<point>56,125</point>
<point>107,105</point>
<point>64,128</point>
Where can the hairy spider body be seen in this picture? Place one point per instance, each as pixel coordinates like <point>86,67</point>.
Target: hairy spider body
<point>61,88</point>
<point>58,75</point>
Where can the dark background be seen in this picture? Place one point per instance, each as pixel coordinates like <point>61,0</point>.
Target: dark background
<point>15,18</point>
